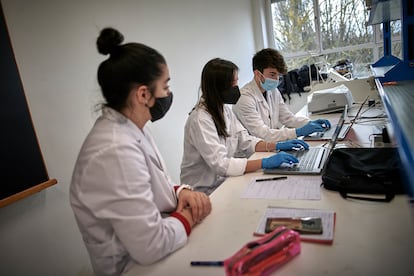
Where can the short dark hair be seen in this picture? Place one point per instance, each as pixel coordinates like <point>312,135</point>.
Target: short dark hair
<point>128,65</point>
<point>269,58</point>
<point>217,76</point>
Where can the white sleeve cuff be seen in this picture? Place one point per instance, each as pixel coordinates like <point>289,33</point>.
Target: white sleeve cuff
<point>181,187</point>
<point>237,166</point>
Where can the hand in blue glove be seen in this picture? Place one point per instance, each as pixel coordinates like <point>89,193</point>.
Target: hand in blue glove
<point>309,128</point>
<point>294,144</point>
<point>323,123</point>
<point>275,160</point>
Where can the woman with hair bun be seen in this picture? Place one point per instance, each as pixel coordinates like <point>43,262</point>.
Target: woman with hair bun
<point>125,204</point>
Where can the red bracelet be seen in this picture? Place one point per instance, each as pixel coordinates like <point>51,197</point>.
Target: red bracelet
<point>184,221</point>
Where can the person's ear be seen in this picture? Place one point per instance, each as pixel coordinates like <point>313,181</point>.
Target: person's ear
<point>257,74</point>
<point>142,94</point>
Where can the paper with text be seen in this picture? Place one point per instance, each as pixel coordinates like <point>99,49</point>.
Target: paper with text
<point>293,187</point>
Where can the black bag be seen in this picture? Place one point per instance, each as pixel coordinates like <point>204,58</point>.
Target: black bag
<point>304,79</point>
<point>289,84</point>
<point>372,171</point>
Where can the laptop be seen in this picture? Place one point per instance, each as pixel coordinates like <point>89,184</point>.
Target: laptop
<point>311,161</point>
<point>327,134</point>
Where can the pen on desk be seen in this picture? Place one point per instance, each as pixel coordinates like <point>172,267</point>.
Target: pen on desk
<point>207,263</point>
<point>270,179</point>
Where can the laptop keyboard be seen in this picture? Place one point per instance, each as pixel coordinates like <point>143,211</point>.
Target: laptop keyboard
<point>306,158</point>
<point>328,132</point>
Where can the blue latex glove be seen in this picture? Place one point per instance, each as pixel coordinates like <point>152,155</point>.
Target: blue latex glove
<point>309,128</point>
<point>294,144</point>
<point>323,123</point>
<point>276,160</point>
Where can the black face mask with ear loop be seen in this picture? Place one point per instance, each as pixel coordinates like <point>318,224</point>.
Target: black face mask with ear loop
<point>160,107</point>
<point>231,95</point>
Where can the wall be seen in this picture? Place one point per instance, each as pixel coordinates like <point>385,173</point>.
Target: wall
<point>54,45</point>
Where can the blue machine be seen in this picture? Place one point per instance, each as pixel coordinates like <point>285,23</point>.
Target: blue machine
<point>396,82</point>
<point>385,11</point>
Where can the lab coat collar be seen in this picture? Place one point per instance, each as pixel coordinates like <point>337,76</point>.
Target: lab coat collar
<point>258,93</point>
<point>120,120</point>
<point>113,115</point>
<point>117,117</point>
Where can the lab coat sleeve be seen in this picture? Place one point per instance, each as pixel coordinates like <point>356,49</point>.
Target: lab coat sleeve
<point>206,140</point>
<point>246,142</point>
<point>287,118</point>
<point>125,200</point>
<point>246,111</point>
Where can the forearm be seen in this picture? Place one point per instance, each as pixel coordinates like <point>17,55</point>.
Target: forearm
<point>264,146</point>
<point>253,165</point>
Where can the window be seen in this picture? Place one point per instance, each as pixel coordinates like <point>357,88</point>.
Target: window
<point>326,31</point>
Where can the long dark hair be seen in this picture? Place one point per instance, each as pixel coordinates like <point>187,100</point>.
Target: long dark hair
<point>217,76</point>
<point>128,65</point>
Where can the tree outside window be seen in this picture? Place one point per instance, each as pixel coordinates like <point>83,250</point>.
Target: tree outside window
<point>327,31</point>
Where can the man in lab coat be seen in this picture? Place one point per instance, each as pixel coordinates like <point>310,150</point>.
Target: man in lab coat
<point>261,108</point>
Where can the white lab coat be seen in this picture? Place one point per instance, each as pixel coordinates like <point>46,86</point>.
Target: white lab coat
<point>208,159</point>
<point>121,196</point>
<point>270,120</point>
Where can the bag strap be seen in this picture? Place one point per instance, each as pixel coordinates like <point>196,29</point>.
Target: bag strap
<point>388,197</point>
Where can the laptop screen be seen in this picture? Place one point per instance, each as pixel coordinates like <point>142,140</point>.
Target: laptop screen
<point>338,128</point>
<point>359,111</point>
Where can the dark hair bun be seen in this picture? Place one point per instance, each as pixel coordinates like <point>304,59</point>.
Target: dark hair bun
<point>108,41</point>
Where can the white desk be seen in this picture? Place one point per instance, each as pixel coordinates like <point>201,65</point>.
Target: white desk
<point>370,238</point>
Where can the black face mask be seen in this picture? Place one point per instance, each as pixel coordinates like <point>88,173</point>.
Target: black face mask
<point>160,107</point>
<point>231,95</point>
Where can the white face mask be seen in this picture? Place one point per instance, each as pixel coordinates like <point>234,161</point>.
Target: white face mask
<point>269,84</point>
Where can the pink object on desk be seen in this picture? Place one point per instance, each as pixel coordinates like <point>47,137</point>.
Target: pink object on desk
<point>265,255</point>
